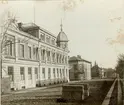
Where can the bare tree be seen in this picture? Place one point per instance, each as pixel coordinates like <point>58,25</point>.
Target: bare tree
<point>6,24</point>
<point>4,28</point>
<point>120,65</point>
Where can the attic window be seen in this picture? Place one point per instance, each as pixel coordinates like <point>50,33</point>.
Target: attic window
<point>42,36</point>
<point>48,39</point>
<point>53,41</point>
<point>33,32</point>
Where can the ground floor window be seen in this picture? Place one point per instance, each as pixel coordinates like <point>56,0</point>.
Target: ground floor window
<point>54,73</point>
<point>22,73</point>
<point>60,73</point>
<point>36,72</point>
<point>63,72</point>
<point>43,73</point>
<point>11,72</point>
<point>49,73</point>
<point>57,72</point>
<point>66,72</point>
<point>29,73</point>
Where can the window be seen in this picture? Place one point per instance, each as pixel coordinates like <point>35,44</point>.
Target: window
<point>54,73</point>
<point>49,73</point>
<point>57,72</point>
<point>10,73</point>
<point>60,73</point>
<point>63,59</point>
<point>35,53</point>
<point>53,57</point>
<point>9,48</point>
<point>9,45</point>
<point>57,57</point>
<point>63,72</point>
<point>53,41</point>
<point>22,73</point>
<point>29,52</point>
<point>66,61</point>
<point>48,39</point>
<point>22,50</point>
<point>29,73</point>
<point>60,59</point>
<point>43,73</point>
<point>42,36</point>
<point>48,55</point>
<point>75,66</point>
<point>36,73</point>
<point>66,72</point>
<point>34,33</point>
<point>43,54</point>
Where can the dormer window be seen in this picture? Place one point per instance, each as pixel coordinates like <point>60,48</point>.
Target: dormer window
<point>48,39</point>
<point>53,41</point>
<point>42,37</point>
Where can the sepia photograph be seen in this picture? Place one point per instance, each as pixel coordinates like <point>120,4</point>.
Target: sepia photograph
<point>62,52</point>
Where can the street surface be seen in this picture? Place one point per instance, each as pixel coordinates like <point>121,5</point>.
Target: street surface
<point>49,95</point>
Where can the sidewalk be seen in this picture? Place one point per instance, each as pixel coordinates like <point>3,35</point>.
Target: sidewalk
<point>32,89</point>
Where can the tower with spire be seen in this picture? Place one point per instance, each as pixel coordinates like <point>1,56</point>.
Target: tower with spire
<point>62,40</point>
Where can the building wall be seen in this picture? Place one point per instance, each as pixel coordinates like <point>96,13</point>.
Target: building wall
<point>72,71</point>
<point>84,72</point>
<point>16,61</point>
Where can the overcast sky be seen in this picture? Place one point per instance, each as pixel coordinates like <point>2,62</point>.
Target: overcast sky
<point>92,26</point>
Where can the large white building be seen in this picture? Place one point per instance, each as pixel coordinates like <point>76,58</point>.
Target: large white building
<point>34,57</point>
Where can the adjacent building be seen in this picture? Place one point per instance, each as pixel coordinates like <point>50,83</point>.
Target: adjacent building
<point>101,73</point>
<point>33,56</point>
<point>80,69</point>
<point>108,73</point>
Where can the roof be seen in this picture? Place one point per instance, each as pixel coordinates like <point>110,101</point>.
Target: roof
<point>62,37</point>
<point>29,26</point>
<point>74,58</point>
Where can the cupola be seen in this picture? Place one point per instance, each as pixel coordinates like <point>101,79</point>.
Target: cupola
<point>62,39</point>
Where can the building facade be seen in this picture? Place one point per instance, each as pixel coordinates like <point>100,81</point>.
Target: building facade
<point>80,69</point>
<point>34,57</point>
<point>109,73</point>
<point>96,71</point>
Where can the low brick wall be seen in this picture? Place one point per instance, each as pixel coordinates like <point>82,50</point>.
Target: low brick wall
<point>5,85</point>
<point>73,92</point>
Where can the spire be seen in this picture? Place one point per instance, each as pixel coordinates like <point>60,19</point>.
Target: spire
<point>95,63</point>
<point>61,25</point>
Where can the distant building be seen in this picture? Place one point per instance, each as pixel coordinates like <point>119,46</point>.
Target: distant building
<point>109,73</point>
<point>34,56</point>
<point>80,69</point>
<point>99,72</point>
<point>96,71</point>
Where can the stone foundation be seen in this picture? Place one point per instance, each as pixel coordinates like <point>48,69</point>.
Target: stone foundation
<point>73,92</point>
<point>86,88</point>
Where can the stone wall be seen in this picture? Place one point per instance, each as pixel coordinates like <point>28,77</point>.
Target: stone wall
<point>73,92</point>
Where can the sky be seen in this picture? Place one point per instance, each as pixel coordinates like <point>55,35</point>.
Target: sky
<point>95,28</point>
